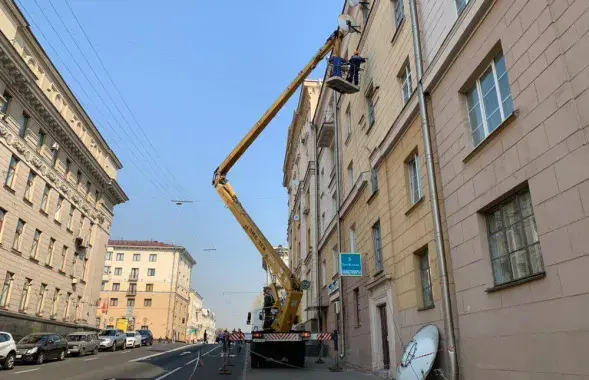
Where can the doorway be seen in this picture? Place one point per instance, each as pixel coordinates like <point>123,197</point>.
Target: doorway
<point>384,334</point>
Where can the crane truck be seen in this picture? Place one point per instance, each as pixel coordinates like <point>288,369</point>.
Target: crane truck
<point>277,341</point>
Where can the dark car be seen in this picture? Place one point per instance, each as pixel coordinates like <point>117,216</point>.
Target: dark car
<point>37,348</point>
<point>146,337</point>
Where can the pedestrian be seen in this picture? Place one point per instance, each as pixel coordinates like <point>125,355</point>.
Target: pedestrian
<point>355,62</point>
<point>204,338</point>
<point>239,341</point>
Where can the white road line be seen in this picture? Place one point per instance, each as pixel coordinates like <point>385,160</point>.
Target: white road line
<point>28,370</point>
<point>206,353</point>
<point>192,361</point>
<point>125,352</point>
<point>195,366</point>
<point>168,374</point>
<point>185,353</point>
<point>165,352</point>
<point>88,360</point>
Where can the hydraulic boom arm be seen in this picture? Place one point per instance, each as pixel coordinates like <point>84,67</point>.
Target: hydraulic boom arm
<point>286,313</point>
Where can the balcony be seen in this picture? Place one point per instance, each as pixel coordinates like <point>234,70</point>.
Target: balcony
<point>134,277</point>
<point>132,292</point>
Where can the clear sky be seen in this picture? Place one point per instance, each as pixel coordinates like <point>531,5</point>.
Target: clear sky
<point>196,75</point>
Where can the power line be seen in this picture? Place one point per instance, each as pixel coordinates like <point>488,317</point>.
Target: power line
<point>89,81</point>
<point>149,178</point>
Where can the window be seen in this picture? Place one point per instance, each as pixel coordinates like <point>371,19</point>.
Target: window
<point>149,287</point>
<point>41,302</point>
<point>323,273</point>
<point>414,180</point>
<point>357,306</point>
<point>6,103</point>
<point>64,258</point>
<point>18,234</point>
<point>102,285</point>
<point>68,304</point>
<point>50,250</point>
<point>131,302</point>
<point>116,287</point>
<point>136,257</point>
<point>114,302</point>
<point>88,186</point>
<point>96,197</point>
<point>134,275</point>
<point>351,175</point>
<point>348,122</point>
<point>335,258</point>
<point>322,221</point>
<point>151,272</point>
<point>57,215</point>
<point>374,180</point>
<point>2,215</point>
<point>55,303</point>
<point>427,297</point>
<point>45,198</point>
<point>333,157</point>
<point>399,12</point>
<point>370,106</point>
<point>496,105</point>
<point>55,157</point>
<point>29,187</point>
<point>41,137</point>
<point>152,258</point>
<point>513,240</point>
<point>333,204</point>
<point>70,220</point>
<point>461,4</point>
<point>6,288</point>
<point>118,271</point>
<point>91,236</point>
<point>407,85</point>
<point>147,302</point>
<point>378,260</point>
<point>120,256</point>
<point>132,288</point>
<point>11,174</point>
<point>35,246</point>
<point>353,239</point>
<point>68,167</point>
<point>108,256</point>
<point>24,298</point>
<point>78,177</point>
<point>23,123</point>
<point>106,269</point>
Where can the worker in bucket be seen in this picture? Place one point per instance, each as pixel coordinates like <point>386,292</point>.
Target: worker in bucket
<point>268,303</point>
<point>336,65</point>
<point>355,62</point>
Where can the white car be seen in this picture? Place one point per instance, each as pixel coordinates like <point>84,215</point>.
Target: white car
<point>7,350</point>
<point>133,339</point>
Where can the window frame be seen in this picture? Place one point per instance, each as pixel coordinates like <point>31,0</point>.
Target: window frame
<point>370,110</point>
<point>463,5</point>
<point>377,247</point>
<point>348,115</point>
<point>150,272</point>
<point>50,251</point>
<point>118,271</point>
<point>398,12</point>
<point>23,124</point>
<point>120,256</point>
<point>353,239</point>
<point>406,83</point>
<point>154,256</point>
<point>36,243</point>
<point>149,287</point>
<point>351,175</point>
<point>11,172</point>
<point>18,235</point>
<point>30,185</point>
<point>6,291</point>
<point>147,302</point>
<point>114,302</point>
<point>427,298</point>
<point>45,198</point>
<point>116,287</point>
<point>414,173</point>
<point>335,259</point>
<point>356,293</point>
<point>138,256</point>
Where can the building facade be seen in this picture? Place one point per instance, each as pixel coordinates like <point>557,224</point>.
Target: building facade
<point>60,189</point>
<point>193,325</point>
<point>284,255</point>
<point>209,325</point>
<point>148,284</point>
<point>299,178</point>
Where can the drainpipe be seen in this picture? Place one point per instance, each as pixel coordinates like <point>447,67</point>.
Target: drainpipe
<point>342,335</point>
<point>433,193</point>
<point>314,128</point>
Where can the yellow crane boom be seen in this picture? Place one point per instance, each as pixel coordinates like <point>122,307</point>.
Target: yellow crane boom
<point>284,319</point>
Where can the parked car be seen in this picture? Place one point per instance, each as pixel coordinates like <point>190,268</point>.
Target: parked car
<point>40,347</point>
<point>146,337</point>
<point>133,339</point>
<point>7,350</point>
<point>110,339</point>
<point>82,343</point>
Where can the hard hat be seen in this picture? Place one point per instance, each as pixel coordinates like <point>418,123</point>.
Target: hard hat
<point>356,52</point>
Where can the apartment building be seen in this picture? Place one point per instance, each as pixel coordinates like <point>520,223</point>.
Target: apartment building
<point>299,178</point>
<point>148,284</point>
<point>507,82</point>
<point>193,327</point>
<point>208,322</point>
<point>60,189</point>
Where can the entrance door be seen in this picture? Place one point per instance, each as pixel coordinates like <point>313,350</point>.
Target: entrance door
<point>384,333</point>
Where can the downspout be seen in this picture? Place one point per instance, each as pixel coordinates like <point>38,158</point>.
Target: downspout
<point>433,193</point>
<point>317,229</point>
<point>342,335</point>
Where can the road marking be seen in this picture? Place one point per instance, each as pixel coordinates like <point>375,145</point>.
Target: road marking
<point>165,352</point>
<point>88,360</point>
<point>195,366</point>
<point>185,353</point>
<point>125,352</point>
<point>206,353</point>
<point>168,374</point>
<point>28,370</point>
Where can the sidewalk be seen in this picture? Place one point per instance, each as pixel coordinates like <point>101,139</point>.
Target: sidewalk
<point>312,371</point>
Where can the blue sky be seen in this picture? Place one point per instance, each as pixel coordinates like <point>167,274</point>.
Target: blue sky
<point>196,75</point>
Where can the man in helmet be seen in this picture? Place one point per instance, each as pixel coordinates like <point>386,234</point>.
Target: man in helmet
<point>268,303</point>
<point>355,61</point>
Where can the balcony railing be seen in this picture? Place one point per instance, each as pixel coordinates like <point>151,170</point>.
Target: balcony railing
<point>343,78</point>
<point>134,277</point>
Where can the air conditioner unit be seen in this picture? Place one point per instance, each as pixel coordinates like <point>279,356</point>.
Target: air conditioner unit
<point>74,281</point>
<point>55,146</point>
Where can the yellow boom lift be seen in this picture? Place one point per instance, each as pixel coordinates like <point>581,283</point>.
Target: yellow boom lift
<point>285,343</point>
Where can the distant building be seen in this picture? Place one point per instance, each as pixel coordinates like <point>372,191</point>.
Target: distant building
<point>148,284</point>
<point>208,322</point>
<point>193,326</point>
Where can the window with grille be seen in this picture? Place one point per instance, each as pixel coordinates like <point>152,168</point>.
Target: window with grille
<point>489,100</point>
<point>513,240</point>
<point>377,244</point>
<point>414,179</point>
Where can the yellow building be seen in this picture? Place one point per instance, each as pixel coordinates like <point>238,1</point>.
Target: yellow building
<point>147,283</point>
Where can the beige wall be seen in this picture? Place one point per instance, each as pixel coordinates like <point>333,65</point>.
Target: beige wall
<point>168,314</point>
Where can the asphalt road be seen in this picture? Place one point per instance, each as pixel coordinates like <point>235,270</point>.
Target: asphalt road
<point>157,362</point>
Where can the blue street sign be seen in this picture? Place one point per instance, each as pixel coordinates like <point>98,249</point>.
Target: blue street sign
<point>351,264</point>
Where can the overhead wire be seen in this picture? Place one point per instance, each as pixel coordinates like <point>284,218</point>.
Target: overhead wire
<point>153,181</point>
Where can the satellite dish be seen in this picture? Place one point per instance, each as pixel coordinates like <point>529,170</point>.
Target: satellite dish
<point>347,24</point>
<point>305,284</point>
<point>419,355</point>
